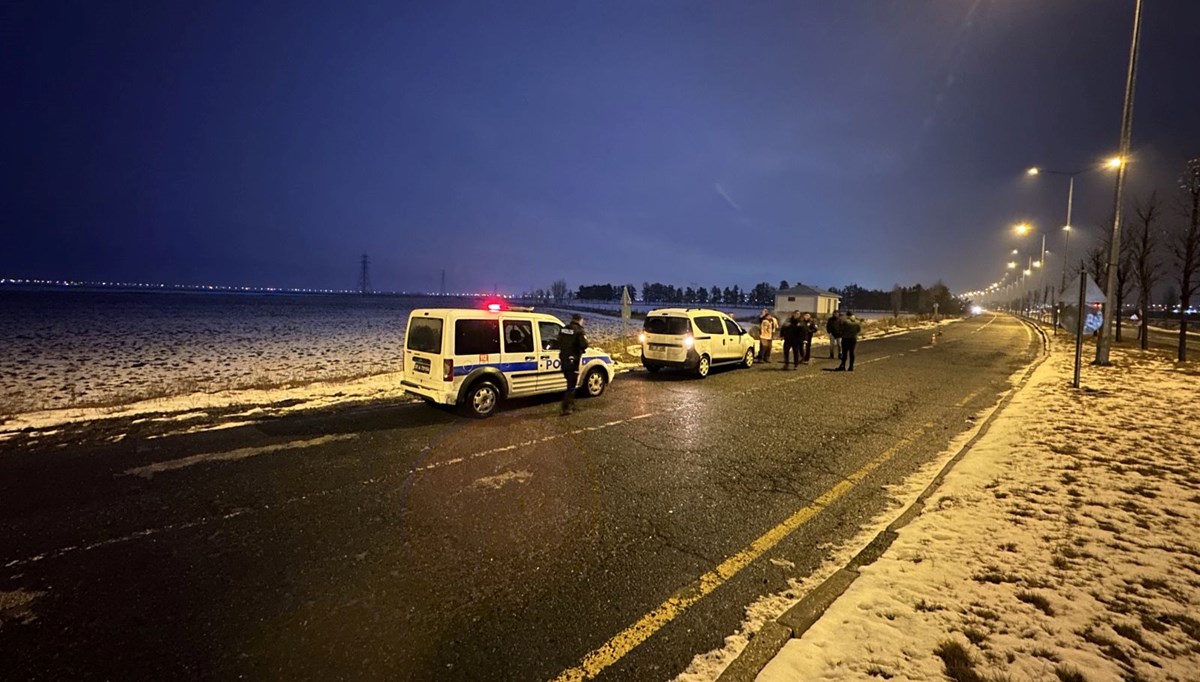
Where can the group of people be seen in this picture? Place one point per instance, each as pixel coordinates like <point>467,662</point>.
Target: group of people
<point>797,334</point>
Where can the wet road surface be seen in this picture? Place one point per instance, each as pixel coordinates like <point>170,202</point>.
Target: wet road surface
<point>406,542</point>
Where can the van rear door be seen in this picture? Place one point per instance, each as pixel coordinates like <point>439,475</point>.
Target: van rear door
<point>424,341</point>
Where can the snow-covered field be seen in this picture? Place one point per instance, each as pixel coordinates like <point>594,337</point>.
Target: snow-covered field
<point>78,349</point>
<point>1064,545</point>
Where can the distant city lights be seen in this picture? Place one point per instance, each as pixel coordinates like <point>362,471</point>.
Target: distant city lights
<point>218,288</point>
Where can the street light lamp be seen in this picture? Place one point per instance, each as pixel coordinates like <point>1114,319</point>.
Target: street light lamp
<point>1112,163</point>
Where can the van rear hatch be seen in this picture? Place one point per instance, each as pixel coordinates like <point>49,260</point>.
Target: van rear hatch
<point>423,351</point>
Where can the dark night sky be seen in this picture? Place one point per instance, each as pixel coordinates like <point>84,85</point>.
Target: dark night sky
<point>272,143</point>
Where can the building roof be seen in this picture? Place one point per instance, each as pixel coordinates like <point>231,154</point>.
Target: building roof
<point>805,290</point>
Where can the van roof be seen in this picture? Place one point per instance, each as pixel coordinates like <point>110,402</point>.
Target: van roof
<point>684,312</point>
<point>456,313</point>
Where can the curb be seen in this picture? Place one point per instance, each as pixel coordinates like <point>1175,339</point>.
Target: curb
<point>793,623</point>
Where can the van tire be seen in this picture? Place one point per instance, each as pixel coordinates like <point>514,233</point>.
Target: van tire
<point>482,399</point>
<point>653,368</point>
<point>594,383</point>
<point>748,361</point>
<point>703,366</point>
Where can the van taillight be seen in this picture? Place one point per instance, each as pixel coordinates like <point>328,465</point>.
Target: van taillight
<point>447,370</point>
<point>401,362</point>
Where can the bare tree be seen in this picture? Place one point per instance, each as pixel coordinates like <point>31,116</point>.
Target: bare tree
<point>558,290</point>
<point>1146,263</point>
<point>1097,265</point>
<point>1186,248</point>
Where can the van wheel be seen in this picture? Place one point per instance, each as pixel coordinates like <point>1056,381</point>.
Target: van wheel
<point>483,399</point>
<point>748,361</point>
<point>653,368</point>
<point>702,367</point>
<point>595,383</point>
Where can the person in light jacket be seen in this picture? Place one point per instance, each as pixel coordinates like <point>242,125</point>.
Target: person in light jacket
<point>768,325</point>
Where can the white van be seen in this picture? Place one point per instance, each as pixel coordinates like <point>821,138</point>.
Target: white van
<point>694,338</point>
<point>476,358</point>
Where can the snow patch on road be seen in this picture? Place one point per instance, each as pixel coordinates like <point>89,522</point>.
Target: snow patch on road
<point>16,606</point>
<point>241,453</point>
<point>501,480</point>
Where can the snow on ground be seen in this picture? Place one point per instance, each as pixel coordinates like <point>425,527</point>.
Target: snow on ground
<point>1064,542</point>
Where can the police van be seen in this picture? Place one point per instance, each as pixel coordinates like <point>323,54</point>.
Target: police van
<point>477,358</point>
<point>695,339</point>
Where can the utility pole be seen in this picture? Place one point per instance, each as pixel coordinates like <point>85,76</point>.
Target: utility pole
<point>442,291</point>
<point>1104,344</point>
<point>364,277</point>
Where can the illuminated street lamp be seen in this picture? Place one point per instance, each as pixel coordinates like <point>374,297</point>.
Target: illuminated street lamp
<point>1111,164</point>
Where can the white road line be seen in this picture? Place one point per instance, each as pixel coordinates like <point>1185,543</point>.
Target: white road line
<point>514,446</point>
<point>241,453</point>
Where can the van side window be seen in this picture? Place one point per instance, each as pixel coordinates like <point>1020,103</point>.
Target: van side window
<point>518,336</point>
<point>476,337</point>
<point>710,324</point>
<point>734,329</point>
<point>549,333</point>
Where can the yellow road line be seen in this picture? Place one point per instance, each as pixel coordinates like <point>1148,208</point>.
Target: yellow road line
<point>625,641</point>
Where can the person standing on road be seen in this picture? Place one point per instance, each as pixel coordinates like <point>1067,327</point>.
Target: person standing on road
<point>850,328</point>
<point>792,332</point>
<point>807,329</point>
<point>768,326</point>
<point>833,329</point>
<point>571,346</point>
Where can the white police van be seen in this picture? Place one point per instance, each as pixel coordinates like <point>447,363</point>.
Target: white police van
<point>477,358</point>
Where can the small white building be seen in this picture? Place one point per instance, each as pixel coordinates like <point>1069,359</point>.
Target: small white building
<point>806,299</point>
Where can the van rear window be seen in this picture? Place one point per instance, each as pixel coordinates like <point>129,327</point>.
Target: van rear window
<point>476,337</point>
<point>667,325</point>
<point>424,335</point>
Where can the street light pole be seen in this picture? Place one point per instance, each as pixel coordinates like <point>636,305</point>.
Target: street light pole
<point>1104,344</point>
<point>1067,238</point>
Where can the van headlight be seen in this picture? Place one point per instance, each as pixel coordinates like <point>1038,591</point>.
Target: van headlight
<point>688,342</point>
<point>642,337</point>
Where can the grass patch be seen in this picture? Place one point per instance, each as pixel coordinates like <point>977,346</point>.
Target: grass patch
<point>1044,653</point>
<point>958,663</point>
<point>975,635</point>
<point>928,607</point>
<point>1067,673</point>
<point>1008,546</point>
<point>877,671</point>
<point>996,576</point>
<point>1037,601</point>
<point>1130,632</point>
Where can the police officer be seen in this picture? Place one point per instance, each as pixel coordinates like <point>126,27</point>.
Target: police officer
<point>571,345</point>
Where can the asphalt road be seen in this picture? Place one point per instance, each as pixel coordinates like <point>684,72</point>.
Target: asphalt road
<point>405,542</point>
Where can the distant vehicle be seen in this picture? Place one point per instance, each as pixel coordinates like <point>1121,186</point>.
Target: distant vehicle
<point>695,339</point>
<point>477,358</point>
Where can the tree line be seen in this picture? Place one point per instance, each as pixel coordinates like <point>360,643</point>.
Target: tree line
<point>916,298</point>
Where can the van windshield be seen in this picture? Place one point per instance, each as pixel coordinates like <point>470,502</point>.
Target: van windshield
<point>424,335</point>
<point>667,325</point>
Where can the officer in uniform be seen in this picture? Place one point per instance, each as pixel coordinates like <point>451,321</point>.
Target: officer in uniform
<point>571,345</point>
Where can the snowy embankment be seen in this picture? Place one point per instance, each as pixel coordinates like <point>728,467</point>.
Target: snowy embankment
<point>1064,545</point>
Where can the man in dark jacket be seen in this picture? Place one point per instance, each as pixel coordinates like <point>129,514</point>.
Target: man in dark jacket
<point>833,329</point>
<point>571,346</point>
<point>807,329</point>
<point>792,332</point>
<point>849,327</point>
